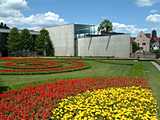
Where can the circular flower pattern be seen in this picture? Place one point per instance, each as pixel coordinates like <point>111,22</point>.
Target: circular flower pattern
<point>31,64</point>
<point>39,65</point>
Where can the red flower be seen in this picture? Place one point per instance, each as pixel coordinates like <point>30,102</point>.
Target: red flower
<point>39,65</point>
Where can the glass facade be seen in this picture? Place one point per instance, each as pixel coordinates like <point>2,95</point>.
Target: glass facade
<point>84,30</point>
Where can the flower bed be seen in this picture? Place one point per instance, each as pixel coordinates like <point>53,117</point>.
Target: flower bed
<point>39,65</point>
<point>38,102</point>
<point>31,64</point>
<point>128,103</point>
<point>7,58</point>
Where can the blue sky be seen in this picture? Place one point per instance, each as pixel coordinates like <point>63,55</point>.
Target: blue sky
<point>129,16</point>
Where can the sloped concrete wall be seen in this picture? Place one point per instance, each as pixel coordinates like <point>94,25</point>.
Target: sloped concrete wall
<point>62,38</point>
<point>116,45</point>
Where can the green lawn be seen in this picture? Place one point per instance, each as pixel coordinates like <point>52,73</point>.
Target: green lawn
<point>98,68</point>
<point>113,68</point>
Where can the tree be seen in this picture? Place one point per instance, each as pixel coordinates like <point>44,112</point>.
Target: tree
<point>154,34</point>
<point>105,26</point>
<point>26,42</point>
<point>13,40</point>
<point>3,26</point>
<point>3,44</point>
<point>3,40</point>
<point>49,48</point>
<point>43,43</point>
<point>135,47</point>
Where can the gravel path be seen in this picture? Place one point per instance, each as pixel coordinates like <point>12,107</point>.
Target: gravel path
<point>156,65</point>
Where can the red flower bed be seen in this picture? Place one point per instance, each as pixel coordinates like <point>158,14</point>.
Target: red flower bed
<point>37,102</point>
<point>39,65</point>
<point>7,58</point>
<point>31,64</point>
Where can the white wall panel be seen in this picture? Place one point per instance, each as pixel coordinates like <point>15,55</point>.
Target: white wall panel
<point>119,46</point>
<point>62,38</point>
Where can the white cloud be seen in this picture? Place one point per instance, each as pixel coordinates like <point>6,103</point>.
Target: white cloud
<point>14,4</point>
<point>12,7</point>
<point>153,11</point>
<point>153,18</point>
<point>11,14</point>
<point>143,3</point>
<point>132,29</point>
<point>34,21</point>
<point>41,19</point>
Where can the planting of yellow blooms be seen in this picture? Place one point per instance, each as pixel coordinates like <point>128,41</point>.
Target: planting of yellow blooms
<point>127,103</point>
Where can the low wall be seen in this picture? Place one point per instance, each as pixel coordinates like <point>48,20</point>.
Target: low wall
<point>115,45</point>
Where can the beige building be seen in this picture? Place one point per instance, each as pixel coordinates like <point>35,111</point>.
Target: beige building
<point>143,41</point>
<point>81,40</point>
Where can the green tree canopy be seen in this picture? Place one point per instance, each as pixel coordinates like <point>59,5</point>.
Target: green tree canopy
<point>13,40</point>
<point>44,44</point>
<point>26,42</point>
<point>3,44</point>
<point>105,26</point>
<point>3,26</point>
<point>135,47</point>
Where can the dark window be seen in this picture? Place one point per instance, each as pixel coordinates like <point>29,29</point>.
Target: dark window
<point>143,43</point>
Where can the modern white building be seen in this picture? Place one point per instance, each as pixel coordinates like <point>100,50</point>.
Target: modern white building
<point>81,40</point>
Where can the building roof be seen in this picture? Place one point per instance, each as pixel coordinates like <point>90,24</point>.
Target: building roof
<point>71,24</point>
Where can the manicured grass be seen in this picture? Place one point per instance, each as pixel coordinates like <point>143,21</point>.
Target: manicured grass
<point>98,69</point>
<point>153,75</point>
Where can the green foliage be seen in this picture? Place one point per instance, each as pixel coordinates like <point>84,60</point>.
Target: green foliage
<point>3,43</point>
<point>43,44</point>
<point>26,40</point>
<point>3,40</point>
<point>49,48</point>
<point>4,88</point>
<point>3,26</point>
<point>135,47</point>
<point>13,40</point>
<point>105,26</point>
<point>22,43</point>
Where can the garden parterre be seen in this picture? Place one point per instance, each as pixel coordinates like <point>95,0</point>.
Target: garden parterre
<point>38,102</point>
<point>20,66</point>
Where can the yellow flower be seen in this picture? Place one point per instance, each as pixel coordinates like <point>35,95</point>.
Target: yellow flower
<point>127,103</point>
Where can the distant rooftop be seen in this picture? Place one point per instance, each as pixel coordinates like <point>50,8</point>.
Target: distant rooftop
<point>8,30</point>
